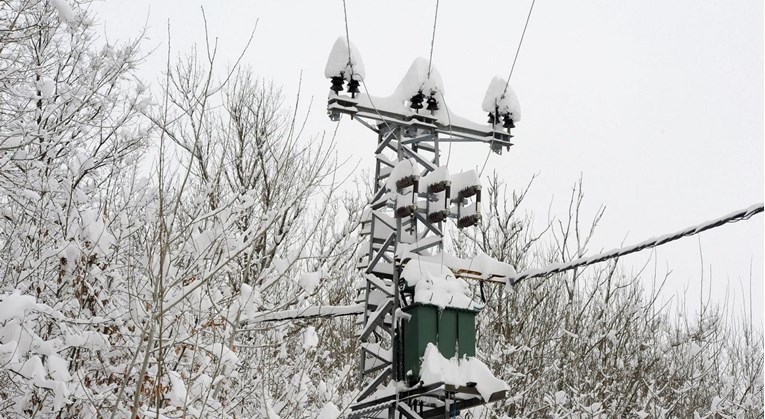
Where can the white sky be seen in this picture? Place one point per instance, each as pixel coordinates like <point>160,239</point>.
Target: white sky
<point>658,105</point>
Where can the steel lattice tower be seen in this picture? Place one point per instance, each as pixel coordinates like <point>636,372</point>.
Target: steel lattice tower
<point>402,222</point>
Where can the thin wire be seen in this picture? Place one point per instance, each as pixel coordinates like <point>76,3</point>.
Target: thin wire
<point>449,119</point>
<point>739,215</point>
<point>517,51</point>
<point>371,102</point>
<point>432,39</point>
<point>347,38</point>
<point>484,163</point>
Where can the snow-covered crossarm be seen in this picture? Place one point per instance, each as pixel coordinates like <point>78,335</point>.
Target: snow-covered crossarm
<point>739,215</point>
<point>417,101</point>
<point>454,128</point>
<point>480,267</point>
<point>307,313</point>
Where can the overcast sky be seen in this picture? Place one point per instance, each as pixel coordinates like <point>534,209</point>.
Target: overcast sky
<point>657,105</point>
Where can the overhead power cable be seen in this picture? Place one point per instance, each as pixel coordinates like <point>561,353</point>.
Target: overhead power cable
<point>307,313</point>
<point>355,309</point>
<point>546,271</point>
<point>518,50</point>
<point>433,39</point>
<point>347,36</point>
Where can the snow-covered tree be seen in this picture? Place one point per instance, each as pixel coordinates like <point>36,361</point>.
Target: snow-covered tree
<point>135,286</point>
<point>245,222</point>
<point>69,133</point>
<point>124,294</point>
<point>598,342</point>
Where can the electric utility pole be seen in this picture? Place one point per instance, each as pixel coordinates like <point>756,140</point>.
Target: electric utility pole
<point>406,219</point>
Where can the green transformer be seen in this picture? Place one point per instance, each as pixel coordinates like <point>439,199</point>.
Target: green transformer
<point>452,330</point>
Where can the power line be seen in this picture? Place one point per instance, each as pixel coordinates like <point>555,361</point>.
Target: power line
<point>517,51</point>
<point>432,39</point>
<point>307,313</point>
<point>739,215</point>
<point>355,309</point>
<point>347,37</point>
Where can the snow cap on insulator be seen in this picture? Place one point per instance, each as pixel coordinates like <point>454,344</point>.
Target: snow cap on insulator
<point>340,64</point>
<point>417,83</point>
<point>502,101</point>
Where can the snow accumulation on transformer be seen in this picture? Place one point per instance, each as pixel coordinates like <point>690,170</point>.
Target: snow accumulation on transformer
<point>465,372</point>
<point>479,267</point>
<point>436,284</point>
<point>439,279</point>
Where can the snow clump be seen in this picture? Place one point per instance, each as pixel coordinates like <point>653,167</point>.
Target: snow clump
<point>310,281</point>
<point>64,9</point>
<point>435,284</point>
<point>329,411</point>
<point>310,338</point>
<point>459,372</point>
<point>417,80</point>
<point>464,181</point>
<point>438,176</point>
<point>47,87</point>
<point>340,64</point>
<point>15,305</point>
<point>505,101</point>
<point>403,171</point>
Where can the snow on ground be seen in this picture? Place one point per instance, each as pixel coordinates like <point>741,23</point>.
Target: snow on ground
<point>459,372</point>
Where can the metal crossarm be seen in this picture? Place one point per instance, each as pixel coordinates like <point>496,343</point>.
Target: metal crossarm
<point>453,132</point>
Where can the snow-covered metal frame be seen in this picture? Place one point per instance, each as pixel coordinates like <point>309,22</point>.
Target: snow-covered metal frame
<point>399,227</point>
<point>373,113</point>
